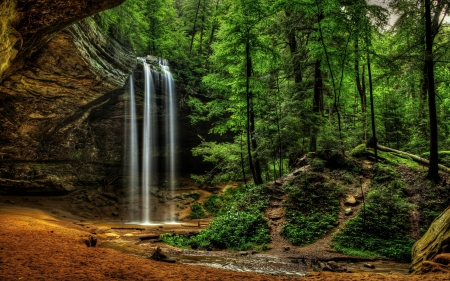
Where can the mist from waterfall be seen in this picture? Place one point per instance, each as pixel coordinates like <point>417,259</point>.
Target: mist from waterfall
<point>133,166</point>
<point>168,88</point>
<point>148,143</point>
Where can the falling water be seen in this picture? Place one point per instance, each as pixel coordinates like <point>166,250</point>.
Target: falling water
<point>132,153</point>
<point>168,88</point>
<point>148,143</point>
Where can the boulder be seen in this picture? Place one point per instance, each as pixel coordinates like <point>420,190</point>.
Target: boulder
<point>350,200</point>
<point>435,241</point>
<point>348,211</point>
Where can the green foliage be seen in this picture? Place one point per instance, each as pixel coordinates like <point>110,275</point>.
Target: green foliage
<point>317,165</point>
<point>197,211</point>
<point>175,240</point>
<point>251,198</point>
<point>213,204</point>
<point>382,228</point>
<point>239,225</point>
<point>225,157</point>
<point>311,208</point>
<point>235,230</point>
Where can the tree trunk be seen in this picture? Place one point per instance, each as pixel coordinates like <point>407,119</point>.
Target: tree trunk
<point>317,106</point>
<point>194,30</point>
<point>361,86</point>
<point>433,173</point>
<point>292,41</point>
<point>249,110</point>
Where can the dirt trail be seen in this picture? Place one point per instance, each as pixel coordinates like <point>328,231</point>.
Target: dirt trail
<point>321,249</point>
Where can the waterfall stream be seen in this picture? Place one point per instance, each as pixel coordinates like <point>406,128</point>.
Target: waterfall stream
<point>146,177</point>
<point>168,88</point>
<point>148,143</point>
<point>133,166</point>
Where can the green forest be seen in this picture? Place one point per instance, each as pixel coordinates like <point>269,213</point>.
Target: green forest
<point>291,77</point>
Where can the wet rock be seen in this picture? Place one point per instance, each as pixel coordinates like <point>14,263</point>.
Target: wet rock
<point>325,267</point>
<point>369,265</point>
<point>91,241</point>
<point>333,264</point>
<point>243,253</point>
<point>348,211</point>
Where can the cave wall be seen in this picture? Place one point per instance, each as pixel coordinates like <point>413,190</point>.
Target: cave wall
<point>26,26</point>
<point>51,138</point>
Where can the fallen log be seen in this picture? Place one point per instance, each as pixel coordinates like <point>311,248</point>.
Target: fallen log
<point>413,157</point>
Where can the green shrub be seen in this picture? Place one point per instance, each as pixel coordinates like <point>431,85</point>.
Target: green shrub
<point>213,204</point>
<point>175,240</point>
<point>383,230</point>
<point>317,165</point>
<point>239,224</point>
<point>311,208</point>
<point>234,230</point>
<point>197,211</point>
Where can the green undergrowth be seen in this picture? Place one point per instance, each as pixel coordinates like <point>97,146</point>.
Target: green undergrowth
<point>382,228</point>
<point>197,211</point>
<point>311,208</point>
<point>239,225</point>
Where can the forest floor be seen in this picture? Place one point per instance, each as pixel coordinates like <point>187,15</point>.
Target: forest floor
<point>321,249</point>
<point>35,245</point>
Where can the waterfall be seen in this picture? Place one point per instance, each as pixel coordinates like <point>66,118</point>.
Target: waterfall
<point>168,88</point>
<point>132,153</point>
<point>147,173</point>
<point>148,143</point>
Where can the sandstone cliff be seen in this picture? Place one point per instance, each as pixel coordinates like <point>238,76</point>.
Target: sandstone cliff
<point>50,109</point>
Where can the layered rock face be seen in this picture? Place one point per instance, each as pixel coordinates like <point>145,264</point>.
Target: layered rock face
<point>435,241</point>
<point>26,26</point>
<point>61,115</point>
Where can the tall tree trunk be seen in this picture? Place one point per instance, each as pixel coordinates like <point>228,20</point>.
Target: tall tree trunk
<point>254,144</point>
<point>242,163</point>
<point>194,30</point>
<point>433,173</point>
<point>361,86</point>
<point>211,36</point>
<point>372,113</point>
<point>200,45</point>
<point>423,124</point>
<point>248,94</point>
<point>317,104</point>
<point>292,41</point>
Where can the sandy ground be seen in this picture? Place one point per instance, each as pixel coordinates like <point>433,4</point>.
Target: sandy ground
<point>37,246</point>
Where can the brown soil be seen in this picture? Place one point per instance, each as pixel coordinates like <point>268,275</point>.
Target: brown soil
<point>37,246</point>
